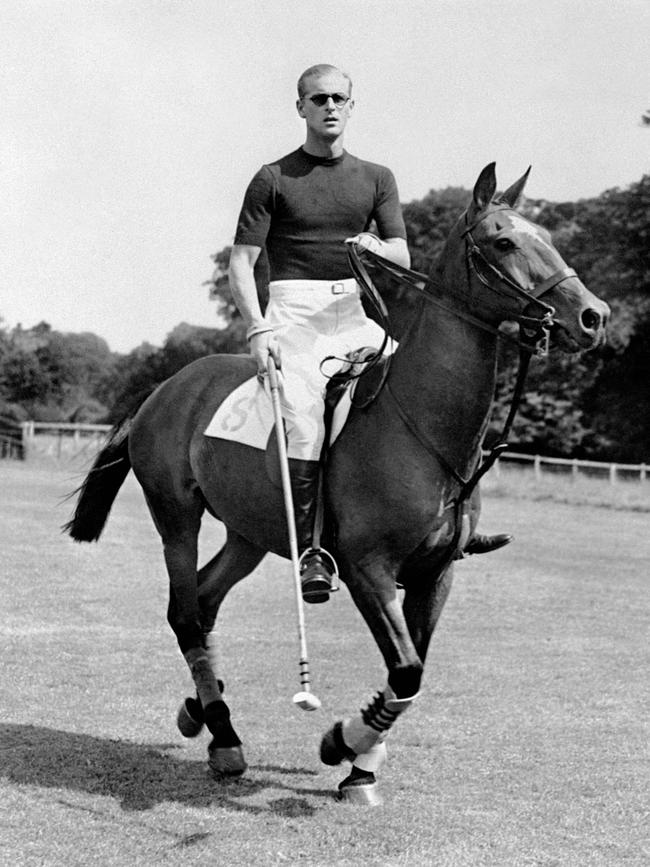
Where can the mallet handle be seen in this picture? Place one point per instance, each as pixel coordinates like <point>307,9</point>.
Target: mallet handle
<point>291,519</point>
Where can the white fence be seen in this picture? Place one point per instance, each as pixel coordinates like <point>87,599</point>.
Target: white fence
<point>58,439</point>
<point>62,439</point>
<point>543,466</point>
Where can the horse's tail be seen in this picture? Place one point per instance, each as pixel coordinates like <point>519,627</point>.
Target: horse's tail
<point>100,487</point>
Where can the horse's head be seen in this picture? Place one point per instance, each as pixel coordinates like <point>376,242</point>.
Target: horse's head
<point>512,271</point>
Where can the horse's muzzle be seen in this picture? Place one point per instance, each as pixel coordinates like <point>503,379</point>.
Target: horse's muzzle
<point>581,318</point>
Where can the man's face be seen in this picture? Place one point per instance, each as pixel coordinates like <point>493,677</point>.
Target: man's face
<point>326,121</point>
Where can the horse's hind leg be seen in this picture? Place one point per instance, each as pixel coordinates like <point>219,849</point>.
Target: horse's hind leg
<point>217,577</point>
<point>234,561</point>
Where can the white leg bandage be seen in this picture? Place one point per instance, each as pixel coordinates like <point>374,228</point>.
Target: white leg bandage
<point>368,730</point>
<point>373,759</point>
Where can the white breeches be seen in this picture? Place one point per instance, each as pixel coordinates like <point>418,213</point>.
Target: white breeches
<point>314,319</point>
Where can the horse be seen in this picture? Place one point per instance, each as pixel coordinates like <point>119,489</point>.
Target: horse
<point>396,480</point>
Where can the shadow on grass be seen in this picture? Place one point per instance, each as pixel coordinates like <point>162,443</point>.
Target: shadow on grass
<point>140,776</point>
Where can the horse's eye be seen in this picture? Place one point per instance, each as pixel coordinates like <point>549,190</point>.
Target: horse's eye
<point>504,244</point>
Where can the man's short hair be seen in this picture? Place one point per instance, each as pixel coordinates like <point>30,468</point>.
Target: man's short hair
<point>317,70</point>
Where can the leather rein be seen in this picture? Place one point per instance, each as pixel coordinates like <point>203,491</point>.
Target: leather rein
<point>476,264</point>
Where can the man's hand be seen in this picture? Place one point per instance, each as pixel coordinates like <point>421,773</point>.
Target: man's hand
<point>367,241</point>
<point>393,249</point>
<point>262,344</point>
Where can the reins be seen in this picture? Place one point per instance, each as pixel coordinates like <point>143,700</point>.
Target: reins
<point>537,327</point>
<point>416,279</point>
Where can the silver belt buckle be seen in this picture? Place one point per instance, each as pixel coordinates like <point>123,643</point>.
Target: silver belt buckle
<point>338,288</point>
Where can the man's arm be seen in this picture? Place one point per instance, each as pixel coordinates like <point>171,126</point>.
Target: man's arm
<point>241,277</point>
<point>393,249</point>
<point>396,250</point>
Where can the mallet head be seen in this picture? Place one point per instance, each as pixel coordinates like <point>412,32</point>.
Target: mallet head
<point>306,700</point>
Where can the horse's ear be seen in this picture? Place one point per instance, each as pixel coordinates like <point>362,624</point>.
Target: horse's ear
<point>513,194</point>
<point>485,187</point>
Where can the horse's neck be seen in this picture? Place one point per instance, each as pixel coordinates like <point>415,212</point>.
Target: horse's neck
<point>444,373</point>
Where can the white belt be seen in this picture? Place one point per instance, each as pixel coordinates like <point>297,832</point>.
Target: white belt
<point>337,287</point>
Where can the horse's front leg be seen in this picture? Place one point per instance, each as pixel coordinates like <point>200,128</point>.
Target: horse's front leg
<point>424,600</point>
<point>361,738</point>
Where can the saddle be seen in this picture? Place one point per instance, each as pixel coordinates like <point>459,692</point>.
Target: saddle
<point>350,384</point>
<point>354,380</point>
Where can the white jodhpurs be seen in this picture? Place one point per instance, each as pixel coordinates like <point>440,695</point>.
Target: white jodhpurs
<point>314,319</point>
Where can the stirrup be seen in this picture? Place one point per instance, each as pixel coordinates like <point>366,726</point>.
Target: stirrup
<point>322,586</point>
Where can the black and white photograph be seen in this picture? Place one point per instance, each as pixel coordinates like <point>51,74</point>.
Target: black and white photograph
<point>350,300</point>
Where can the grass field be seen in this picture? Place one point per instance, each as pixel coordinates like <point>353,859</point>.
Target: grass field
<point>528,745</point>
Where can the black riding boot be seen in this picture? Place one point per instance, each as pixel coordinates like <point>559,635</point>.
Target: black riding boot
<point>481,544</point>
<point>316,574</point>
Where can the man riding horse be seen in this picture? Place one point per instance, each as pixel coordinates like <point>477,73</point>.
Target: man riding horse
<point>302,208</point>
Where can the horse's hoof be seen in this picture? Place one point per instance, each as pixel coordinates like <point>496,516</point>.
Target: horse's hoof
<point>360,788</point>
<point>226,761</point>
<point>190,718</point>
<point>366,795</point>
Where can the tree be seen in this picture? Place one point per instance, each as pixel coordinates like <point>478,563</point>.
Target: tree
<point>48,375</point>
<point>143,369</point>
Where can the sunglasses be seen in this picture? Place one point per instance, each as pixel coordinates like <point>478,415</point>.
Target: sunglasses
<point>320,99</point>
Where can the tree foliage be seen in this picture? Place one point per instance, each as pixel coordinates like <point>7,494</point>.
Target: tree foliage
<point>143,369</point>
<point>53,376</point>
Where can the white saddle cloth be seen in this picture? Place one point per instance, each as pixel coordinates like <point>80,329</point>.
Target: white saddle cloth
<point>246,416</point>
<point>312,320</point>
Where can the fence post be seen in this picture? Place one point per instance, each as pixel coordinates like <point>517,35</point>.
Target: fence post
<point>643,473</point>
<point>27,437</point>
<point>574,469</point>
<point>612,474</point>
<point>537,465</point>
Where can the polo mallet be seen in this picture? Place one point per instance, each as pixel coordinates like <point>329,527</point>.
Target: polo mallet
<point>306,698</point>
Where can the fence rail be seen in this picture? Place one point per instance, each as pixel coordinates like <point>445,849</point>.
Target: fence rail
<point>55,426</point>
<point>56,439</point>
<point>63,437</point>
<point>614,471</point>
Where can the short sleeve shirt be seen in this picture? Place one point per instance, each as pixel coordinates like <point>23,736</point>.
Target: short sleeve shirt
<point>302,208</point>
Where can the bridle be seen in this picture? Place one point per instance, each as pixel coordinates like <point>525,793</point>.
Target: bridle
<point>477,264</point>
<point>474,254</point>
<point>537,330</point>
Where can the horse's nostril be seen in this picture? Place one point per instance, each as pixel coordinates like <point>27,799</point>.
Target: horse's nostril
<point>591,320</point>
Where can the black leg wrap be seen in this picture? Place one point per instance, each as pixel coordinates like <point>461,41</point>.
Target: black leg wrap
<point>405,682</point>
<point>190,718</point>
<point>217,719</point>
<point>195,709</point>
<point>333,749</point>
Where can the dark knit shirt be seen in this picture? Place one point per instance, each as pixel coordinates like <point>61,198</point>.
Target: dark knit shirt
<point>302,208</point>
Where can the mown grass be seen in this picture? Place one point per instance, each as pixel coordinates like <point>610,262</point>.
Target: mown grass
<point>518,482</point>
<point>528,745</point>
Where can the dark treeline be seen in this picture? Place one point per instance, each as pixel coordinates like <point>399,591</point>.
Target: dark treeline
<point>595,405</point>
